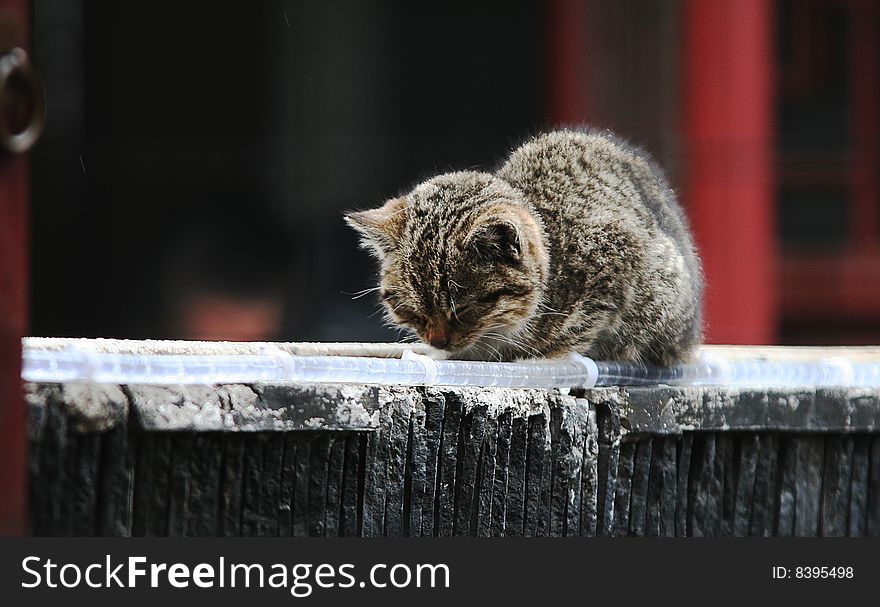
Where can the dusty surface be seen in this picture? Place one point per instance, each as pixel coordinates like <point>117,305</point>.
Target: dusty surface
<point>161,346</point>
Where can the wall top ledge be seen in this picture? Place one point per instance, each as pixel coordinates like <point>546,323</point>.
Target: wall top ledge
<point>327,407</point>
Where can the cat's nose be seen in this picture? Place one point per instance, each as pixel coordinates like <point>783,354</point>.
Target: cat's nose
<point>438,335</point>
<point>441,343</point>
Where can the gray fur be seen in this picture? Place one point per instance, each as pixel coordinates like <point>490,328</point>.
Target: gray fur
<point>576,243</point>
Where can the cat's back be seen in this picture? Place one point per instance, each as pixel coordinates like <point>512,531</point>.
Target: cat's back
<point>614,225</point>
<point>585,162</point>
<point>557,161</point>
<point>577,175</point>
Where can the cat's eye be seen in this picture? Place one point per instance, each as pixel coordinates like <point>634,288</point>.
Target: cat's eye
<point>494,296</point>
<point>409,316</point>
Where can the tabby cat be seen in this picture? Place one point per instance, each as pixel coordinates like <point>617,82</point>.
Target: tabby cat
<point>576,243</point>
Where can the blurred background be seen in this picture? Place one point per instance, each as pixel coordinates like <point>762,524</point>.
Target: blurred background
<point>199,155</point>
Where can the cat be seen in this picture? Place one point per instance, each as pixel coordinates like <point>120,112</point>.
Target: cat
<point>576,243</point>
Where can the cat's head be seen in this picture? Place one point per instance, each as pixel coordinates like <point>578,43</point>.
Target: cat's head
<point>463,260</point>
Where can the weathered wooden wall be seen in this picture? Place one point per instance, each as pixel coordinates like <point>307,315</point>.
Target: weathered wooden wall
<point>350,460</point>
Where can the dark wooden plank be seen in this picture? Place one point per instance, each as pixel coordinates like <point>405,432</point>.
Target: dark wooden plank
<point>415,496</point>
<point>398,438</point>
<point>765,494</point>
<point>502,474</point>
<point>179,482</point>
<point>726,468</point>
<point>143,483</point>
<point>448,465</point>
<point>287,482</point>
<point>662,487</point>
<point>299,514</point>
<point>335,465</point>
<point>351,493</point>
<point>638,500</point>
<point>116,484</point>
<point>542,434</point>
<point>470,451</point>
<point>375,473</point>
<point>704,492</point>
<point>786,518</point>
<point>47,487</point>
<point>85,484</point>
<point>620,522</point>
<point>251,482</point>
<point>271,506</point>
<point>608,422</point>
<point>569,423</point>
<point>858,493</point>
<point>835,485</point>
<point>561,475</point>
<point>157,521</point>
<point>66,522</point>
<point>655,487</point>
<point>514,524</point>
<point>583,511</point>
<point>486,485</point>
<point>232,472</point>
<point>319,462</point>
<point>435,413</point>
<point>538,471</point>
<point>682,481</point>
<point>873,519</point>
<point>200,514</point>
<point>809,484</point>
<point>749,448</point>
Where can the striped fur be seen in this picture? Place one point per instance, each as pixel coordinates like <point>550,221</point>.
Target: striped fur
<point>576,243</point>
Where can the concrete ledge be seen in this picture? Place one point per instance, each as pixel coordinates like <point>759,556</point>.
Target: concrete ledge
<point>364,460</point>
<point>666,410</point>
<point>287,407</point>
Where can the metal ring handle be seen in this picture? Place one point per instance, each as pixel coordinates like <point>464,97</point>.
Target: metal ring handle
<point>15,64</point>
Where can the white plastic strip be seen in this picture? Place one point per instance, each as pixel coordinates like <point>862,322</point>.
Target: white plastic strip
<point>427,363</point>
<point>591,369</point>
<point>82,363</point>
<point>285,359</point>
<point>91,363</point>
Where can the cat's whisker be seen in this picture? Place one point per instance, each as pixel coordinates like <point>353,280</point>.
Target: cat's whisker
<point>480,349</point>
<point>378,311</point>
<point>454,311</point>
<point>359,294</point>
<point>494,350</point>
<point>531,351</point>
<point>488,351</point>
<point>397,307</point>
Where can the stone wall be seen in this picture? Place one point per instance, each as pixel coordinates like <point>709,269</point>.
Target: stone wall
<point>310,460</point>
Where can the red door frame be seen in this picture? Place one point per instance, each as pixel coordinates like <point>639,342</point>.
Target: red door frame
<point>728,127</point>
<point>567,100</point>
<point>14,194</point>
<point>727,131</point>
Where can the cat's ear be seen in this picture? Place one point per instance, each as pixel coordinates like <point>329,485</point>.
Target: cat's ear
<point>497,239</point>
<point>380,228</point>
